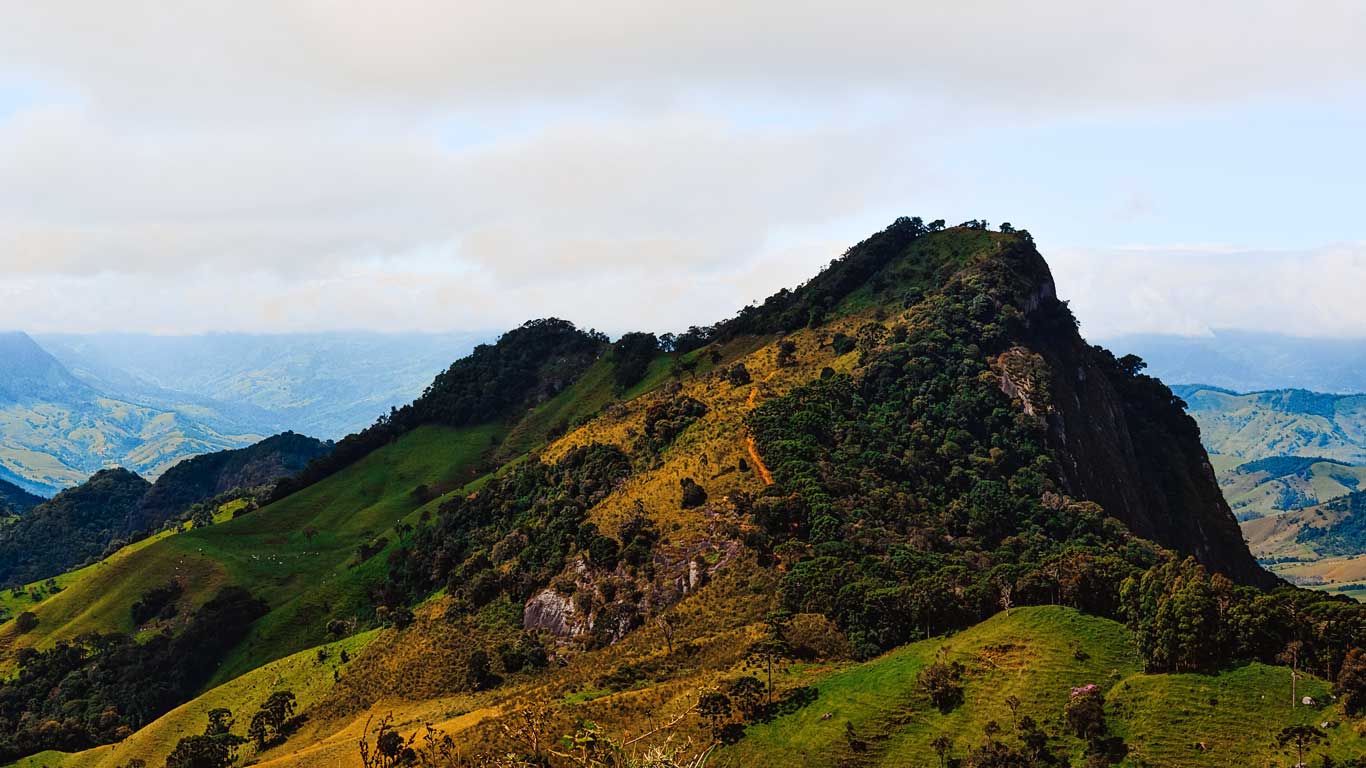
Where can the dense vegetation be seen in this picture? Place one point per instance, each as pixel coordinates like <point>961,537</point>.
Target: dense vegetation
<point>513,536</point>
<point>102,687</point>
<point>203,477</point>
<point>914,498</point>
<point>527,365</point>
<point>15,500</point>
<point>71,528</point>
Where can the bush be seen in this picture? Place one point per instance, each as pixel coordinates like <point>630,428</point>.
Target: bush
<point>27,622</point>
<point>943,684</point>
<point>694,495</point>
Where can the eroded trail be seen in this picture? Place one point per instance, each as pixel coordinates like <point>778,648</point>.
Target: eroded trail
<point>751,445</point>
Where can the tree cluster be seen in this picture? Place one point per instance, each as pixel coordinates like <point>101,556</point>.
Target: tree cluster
<point>101,687</point>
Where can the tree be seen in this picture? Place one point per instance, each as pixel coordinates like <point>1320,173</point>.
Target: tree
<point>716,708</point>
<point>270,723</point>
<point>1085,712</point>
<point>26,622</point>
<point>1301,737</point>
<point>748,694</point>
<point>1013,703</point>
<point>389,748</point>
<point>1351,684</point>
<point>478,674</point>
<point>694,495</point>
<point>773,647</point>
<point>942,682</point>
<point>942,746</point>
<point>215,748</point>
<point>1291,656</point>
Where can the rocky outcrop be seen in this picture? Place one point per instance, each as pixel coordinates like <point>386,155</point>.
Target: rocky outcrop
<point>1120,438</point>
<point>551,612</point>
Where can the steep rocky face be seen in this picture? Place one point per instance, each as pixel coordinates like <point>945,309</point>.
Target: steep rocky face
<point>1121,439</point>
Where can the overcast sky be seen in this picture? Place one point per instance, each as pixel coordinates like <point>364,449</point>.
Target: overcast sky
<point>296,165</point>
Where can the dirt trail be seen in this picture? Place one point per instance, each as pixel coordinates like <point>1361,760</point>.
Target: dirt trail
<point>750,444</point>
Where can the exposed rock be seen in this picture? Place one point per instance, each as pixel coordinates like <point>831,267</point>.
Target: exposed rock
<point>552,612</point>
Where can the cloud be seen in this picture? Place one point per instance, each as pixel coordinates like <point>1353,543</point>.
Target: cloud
<point>303,56</point>
<point>1196,290</point>
<point>308,164</point>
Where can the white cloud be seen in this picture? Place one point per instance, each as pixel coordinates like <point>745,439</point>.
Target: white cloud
<point>1197,290</point>
<point>304,164</point>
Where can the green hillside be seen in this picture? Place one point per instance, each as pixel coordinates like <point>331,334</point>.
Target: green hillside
<point>1278,484</point>
<point>1037,655</point>
<point>269,553</point>
<point>1287,422</point>
<point>836,529</point>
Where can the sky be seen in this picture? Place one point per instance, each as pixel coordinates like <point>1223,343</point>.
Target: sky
<point>304,165</point>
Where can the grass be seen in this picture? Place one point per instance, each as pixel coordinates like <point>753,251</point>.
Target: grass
<point>305,581</point>
<point>1236,714</point>
<point>302,674</point>
<point>1032,654</point>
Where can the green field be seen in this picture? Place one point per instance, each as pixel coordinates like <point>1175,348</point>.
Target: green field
<point>1037,655</point>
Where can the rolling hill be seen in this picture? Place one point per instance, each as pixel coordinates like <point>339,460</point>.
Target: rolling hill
<point>900,514</point>
<point>1291,422</point>
<point>116,506</point>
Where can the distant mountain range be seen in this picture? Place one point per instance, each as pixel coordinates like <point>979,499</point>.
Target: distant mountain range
<point>1280,450</point>
<point>72,405</point>
<point>1247,361</point>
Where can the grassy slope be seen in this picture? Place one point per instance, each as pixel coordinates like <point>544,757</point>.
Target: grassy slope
<point>267,553</point>
<point>1259,425</point>
<point>1257,494</point>
<point>1029,654</point>
<point>301,673</point>
<point>1032,655</point>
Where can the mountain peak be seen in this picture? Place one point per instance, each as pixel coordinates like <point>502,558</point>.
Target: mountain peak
<point>28,373</point>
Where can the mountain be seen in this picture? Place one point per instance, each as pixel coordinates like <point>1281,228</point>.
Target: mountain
<point>326,384</point>
<point>1247,361</point>
<point>15,501</point>
<point>203,477</point>
<point>30,374</point>
<point>55,429</point>
<point>899,514</point>
<point>1287,422</point>
<point>113,506</point>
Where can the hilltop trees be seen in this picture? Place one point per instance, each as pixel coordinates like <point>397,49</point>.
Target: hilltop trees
<point>632,354</point>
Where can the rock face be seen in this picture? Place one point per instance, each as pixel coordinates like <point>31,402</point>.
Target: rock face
<point>552,612</point>
<point>1120,438</point>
